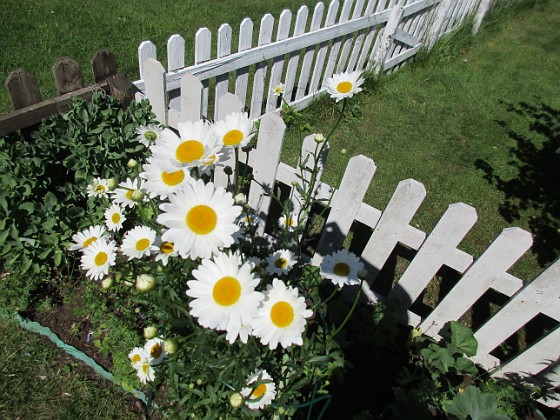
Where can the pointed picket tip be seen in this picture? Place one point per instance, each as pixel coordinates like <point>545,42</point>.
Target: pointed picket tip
<point>273,119</point>
<point>228,103</point>
<point>412,184</point>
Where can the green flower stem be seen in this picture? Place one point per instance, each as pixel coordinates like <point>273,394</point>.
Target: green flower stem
<point>349,314</point>
<point>327,300</point>
<point>236,174</point>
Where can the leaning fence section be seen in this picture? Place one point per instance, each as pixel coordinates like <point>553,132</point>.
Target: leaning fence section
<point>301,50</point>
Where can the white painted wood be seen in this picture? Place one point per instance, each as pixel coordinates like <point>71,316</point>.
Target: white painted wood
<point>291,71</point>
<point>334,51</point>
<point>349,39</point>
<point>245,42</point>
<point>277,67</point>
<point>444,239</point>
<point>267,158</point>
<point>308,56</point>
<point>202,45</point>
<point>222,81</point>
<point>480,13</point>
<point>175,61</point>
<point>345,205</point>
<point>489,268</point>
<point>154,78</point>
<point>317,76</point>
<point>191,98</point>
<point>265,37</point>
<point>386,40</point>
<point>146,50</point>
<point>360,37</point>
<point>370,38</point>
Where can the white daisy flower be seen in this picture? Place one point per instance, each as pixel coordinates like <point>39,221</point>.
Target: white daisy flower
<point>148,135</point>
<point>200,220</point>
<point>98,188</point>
<point>224,293</point>
<point>145,371</point>
<point>342,268</point>
<point>243,332</point>
<point>160,183</point>
<point>281,317</point>
<point>280,262</point>
<point>114,217</point>
<point>138,242</point>
<point>97,259</point>
<point>88,236</point>
<point>193,147</point>
<point>166,250</point>
<point>279,89</point>
<point>155,349</point>
<point>124,195</point>
<point>344,85</point>
<point>235,130</point>
<point>261,395</point>
<point>136,355</point>
<point>288,222</point>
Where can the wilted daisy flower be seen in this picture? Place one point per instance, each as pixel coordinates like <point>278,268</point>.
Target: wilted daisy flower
<point>194,145</point>
<point>97,259</point>
<point>124,195</point>
<point>136,355</point>
<point>224,293</point>
<point>147,135</point>
<point>279,89</point>
<point>160,183</point>
<point>138,242</point>
<point>166,250</point>
<point>154,348</point>
<point>262,395</point>
<point>98,188</point>
<point>281,317</point>
<point>344,85</point>
<point>235,130</point>
<point>280,262</point>
<point>86,237</point>
<point>114,217</point>
<point>342,268</point>
<point>145,371</point>
<point>200,220</point>
<point>288,222</point>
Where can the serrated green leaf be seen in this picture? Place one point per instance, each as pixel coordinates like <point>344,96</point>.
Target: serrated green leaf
<point>473,404</point>
<point>462,338</point>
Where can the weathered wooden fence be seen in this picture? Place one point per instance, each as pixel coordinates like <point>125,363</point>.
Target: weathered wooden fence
<point>433,251</point>
<point>357,35</point>
<point>29,106</point>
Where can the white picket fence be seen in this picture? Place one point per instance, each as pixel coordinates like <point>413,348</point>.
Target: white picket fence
<point>375,35</point>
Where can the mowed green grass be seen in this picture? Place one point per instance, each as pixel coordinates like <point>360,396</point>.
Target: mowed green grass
<point>37,32</point>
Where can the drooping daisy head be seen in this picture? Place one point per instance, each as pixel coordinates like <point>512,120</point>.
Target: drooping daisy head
<point>166,250</point>
<point>260,390</point>
<point>288,222</point>
<point>148,135</point>
<point>342,268</point>
<point>194,145</point>
<point>98,188</point>
<point>160,183</point>
<point>114,217</point>
<point>86,237</point>
<point>136,355</point>
<point>281,317</point>
<point>124,195</point>
<point>200,220</point>
<point>235,130</point>
<point>280,262</point>
<point>224,293</point>
<point>138,242</point>
<point>344,85</point>
<point>279,89</point>
<point>97,258</point>
<point>156,351</point>
<point>145,371</point>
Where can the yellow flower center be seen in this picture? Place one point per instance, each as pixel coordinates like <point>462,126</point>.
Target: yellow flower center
<point>89,241</point>
<point>155,351</point>
<point>145,368</point>
<point>101,258</point>
<point>166,247</point>
<point>233,137</point>
<point>226,291</point>
<point>344,87</point>
<point>173,178</point>
<point>99,189</point>
<point>136,358</point>
<point>341,269</point>
<point>202,219</point>
<point>259,391</point>
<point>289,221</point>
<point>210,160</point>
<point>282,314</point>
<point>142,244</point>
<point>129,194</point>
<point>189,151</point>
<point>115,218</point>
<point>281,263</point>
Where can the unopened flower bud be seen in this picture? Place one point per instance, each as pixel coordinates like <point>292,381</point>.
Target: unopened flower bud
<point>107,282</point>
<point>132,164</point>
<point>319,138</point>
<point>137,195</point>
<point>112,183</point>
<point>150,135</point>
<point>145,282</point>
<point>236,400</point>
<point>362,274</point>
<point>150,332</point>
<point>228,171</point>
<point>170,345</point>
<point>247,148</point>
<point>199,381</point>
<point>343,152</point>
<point>240,199</point>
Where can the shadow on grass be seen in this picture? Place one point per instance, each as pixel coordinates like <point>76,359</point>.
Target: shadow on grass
<point>534,190</point>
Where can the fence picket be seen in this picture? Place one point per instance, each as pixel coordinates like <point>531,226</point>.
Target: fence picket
<point>23,89</point>
<point>371,33</point>
<point>103,64</point>
<point>278,63</point>
<point>293,61</point>
<point>242,75</point>
<point>265,37</point>
<point>385,39</point>
<point>358,43</point>
<point>334,51</point>
<point>316,77</point>
<point>146,50</point>
<point>203,42</point>
<point>222,81</point>
<point>175,61</point>
<point>68,75</point>
<point>191,98</point>
<point>154,78</point>
<point>349,41</point>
